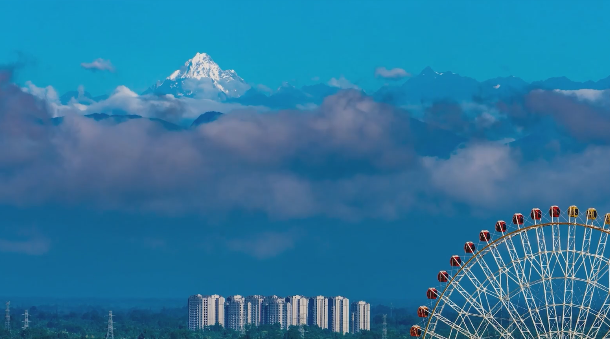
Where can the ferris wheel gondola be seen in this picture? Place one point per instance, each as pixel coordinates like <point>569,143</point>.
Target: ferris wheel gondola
<point>547,276</point>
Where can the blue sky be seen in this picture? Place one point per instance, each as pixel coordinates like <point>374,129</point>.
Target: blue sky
<point>269,42</point>
<point>351,197</point>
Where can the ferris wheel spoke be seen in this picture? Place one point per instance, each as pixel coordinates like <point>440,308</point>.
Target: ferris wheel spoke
<point>481,310</point>
<point>592,275</point>
<point>522,281</point>
<point>435,335</point>
<point>547,285</point>
<point>457,327</point>
<point>599,317</point>
<point>463,316</point>
<point>497,285</point>
<point>598,259</point>
<point>568,292</point>
<point>583,258</point>
<point>530,257</point>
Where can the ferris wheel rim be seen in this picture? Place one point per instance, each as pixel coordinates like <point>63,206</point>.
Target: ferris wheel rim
<point>495,242</point>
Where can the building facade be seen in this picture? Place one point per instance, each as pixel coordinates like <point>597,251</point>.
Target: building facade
<point>205,311</point>
<point>361,312</point>
<point>318,311</point>
<point>298,310</point>
<point>275,311</point>
<point>254,303</point>
<point>236,313</point>
<point>195,307</point>
<point>338,314</point>
<point>216,311</point>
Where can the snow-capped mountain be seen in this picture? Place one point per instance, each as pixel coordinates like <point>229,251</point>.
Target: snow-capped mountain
<point>202,77</point>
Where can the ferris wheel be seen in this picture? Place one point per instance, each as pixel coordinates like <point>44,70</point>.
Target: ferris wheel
<point>546,276</point>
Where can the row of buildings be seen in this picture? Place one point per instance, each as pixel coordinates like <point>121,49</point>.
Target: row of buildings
<point>235,312</point>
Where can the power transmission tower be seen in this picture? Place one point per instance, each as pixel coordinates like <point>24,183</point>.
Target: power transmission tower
<point>26,320</point>
<point>110,333</point>
<point>7,317</point>
<point>384,332</point>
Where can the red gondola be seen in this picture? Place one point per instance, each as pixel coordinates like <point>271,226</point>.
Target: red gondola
<point>484,236</point>
<point>501,226</point>
<point>415,331</point>
<point>536,214</point>
<point>469,247</point>
<point>554,212</point>
<point>442,276</point>
<point>518,219</point>
<point>432,293</point>
<point>455,261</point>
<point>422,312</point>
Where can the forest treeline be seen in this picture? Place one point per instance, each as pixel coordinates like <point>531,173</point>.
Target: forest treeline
<point>87,322</point>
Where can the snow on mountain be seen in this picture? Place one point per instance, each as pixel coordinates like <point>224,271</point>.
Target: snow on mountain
<point>202,77</point>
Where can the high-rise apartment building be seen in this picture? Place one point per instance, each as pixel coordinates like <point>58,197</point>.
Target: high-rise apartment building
<point>236,313</point>
<point>216,310</point>
<point>338,314</point>
<point>298,310</point>
<point>275,311</point>
<point>254,303</point>
<point>318,312</point>
<point>362,316</point>
<point>195,307</point>
<point>205,311</point>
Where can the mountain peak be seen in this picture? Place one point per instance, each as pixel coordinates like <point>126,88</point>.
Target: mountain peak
<point>428,71</point>
<point>198,67</point>
<point>209,78</point>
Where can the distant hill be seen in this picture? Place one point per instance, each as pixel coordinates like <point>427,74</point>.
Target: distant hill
<point>206,117</point>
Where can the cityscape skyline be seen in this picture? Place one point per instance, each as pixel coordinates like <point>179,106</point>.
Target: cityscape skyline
<point>333,313</point>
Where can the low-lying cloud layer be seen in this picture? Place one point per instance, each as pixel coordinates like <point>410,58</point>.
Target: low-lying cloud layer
<point>125,101</point>
<point>350,158</point>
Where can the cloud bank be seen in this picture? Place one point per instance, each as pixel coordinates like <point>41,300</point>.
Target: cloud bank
<point>350,158</point>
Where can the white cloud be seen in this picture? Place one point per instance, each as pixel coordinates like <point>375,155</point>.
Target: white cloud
<point>591,95</point>
<point>473,174</point>
<point>45,93</point>
<point>98,64</point>
<point>342,83</point>
<point>394,73</point>
<point>51,99</point>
